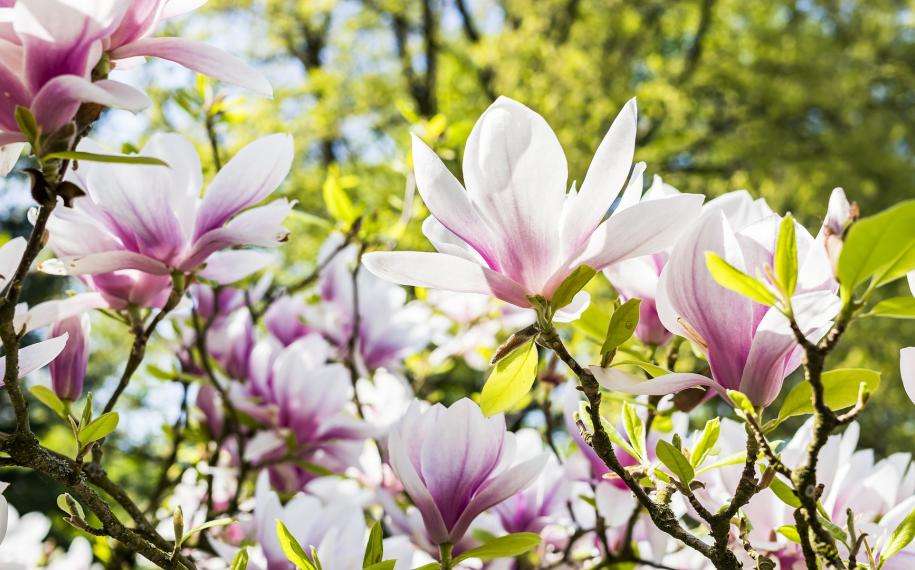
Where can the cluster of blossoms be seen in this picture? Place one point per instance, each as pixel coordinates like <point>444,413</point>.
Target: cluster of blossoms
<point>324,446</point>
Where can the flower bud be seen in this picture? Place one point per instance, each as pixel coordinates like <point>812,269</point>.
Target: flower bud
<point>68,370</point>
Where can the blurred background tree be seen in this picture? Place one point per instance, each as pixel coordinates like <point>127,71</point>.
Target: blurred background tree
<point>787,99</point>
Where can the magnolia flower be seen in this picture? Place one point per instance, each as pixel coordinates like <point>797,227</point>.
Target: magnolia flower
<point>294,391</point>
<point>907,371</point>
<point>389,328</point>
<point>839,216</point>
<point>49,50</point>
<point>68,370</point>
<point>455,463</point>
<point>544,501</point>
<point>37,355</point>
<point>515,232</point>
<point>749,347</point>
<point>23,546</point>
<point>336,530</point>
<point>137,224</point>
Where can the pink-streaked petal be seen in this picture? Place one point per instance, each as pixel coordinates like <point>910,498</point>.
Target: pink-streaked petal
<point>124,96</point>
<point>406,471</point>
<point>645,228</point>
<point>446,241</point>
<point>226,267</point>
<point>200,57</point>
<point>449,203</point>
<point>261,226</point>
<point>50,312</point>
<point>175,8</point>
<point>106,262</point>
<point>13,94</point>
<point>57,102</point>
<point>574,309</point>
<point>494,491</point>
<point>619,381</point>
<point>907,370</point>
<point>138,20</point>
<point>248,178</point>
<point>632,195</point>
<point>36,355</point>
<point>443,271</point>
<point>605,177</point>
<point>515,173</point>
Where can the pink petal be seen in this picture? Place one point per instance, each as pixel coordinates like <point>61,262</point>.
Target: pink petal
<point>605,177</point>
<point>619,381</point>
<point>449,203</point>
<point>13,94</point>
<point>226,267</point>
<point>645,228</point>
<point>36,355</point>
<point>49,312</point>
<point>56,103</point>
<point>443,271</point>
<point>515,172</point>
<point>261,226</point>
<point>199,57</point>
<point>248,178</point>
<point>108,261</point>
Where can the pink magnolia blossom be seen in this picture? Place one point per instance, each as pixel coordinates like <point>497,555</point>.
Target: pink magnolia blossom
<point>68,370</point>
<point>137,224</point>
<point>455,463</point>
<point>49,48</point>
<point>515,232</point>
<point>749,346</point>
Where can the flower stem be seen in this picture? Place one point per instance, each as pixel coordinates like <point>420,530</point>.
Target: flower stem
<point>445,552</point>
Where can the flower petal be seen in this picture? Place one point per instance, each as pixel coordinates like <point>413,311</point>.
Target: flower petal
<point>10,256</point>
<point>200,57</point>
<point>261,226</point>
<point>515,172</point>
<point>605,177</point>
<point>443,271</point>
<point>619,381</point>
<point>56,103</point>
<point>49,312</point>
<point>226,267</point>
<point>907,370</point>
<point>248,178</point>
<point>105,262</point>
<point>645,228</point>
<point>36,355</point>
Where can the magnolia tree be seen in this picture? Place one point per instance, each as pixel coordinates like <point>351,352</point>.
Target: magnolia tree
<point>626,420</point>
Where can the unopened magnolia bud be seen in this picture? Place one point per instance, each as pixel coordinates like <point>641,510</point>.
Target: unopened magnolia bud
<point>68,370</point>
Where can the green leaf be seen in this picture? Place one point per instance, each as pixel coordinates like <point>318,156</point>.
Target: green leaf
<point>374,550</point>
<point>785,493</point>
<point>386,565</point>
<point>111,158</point>
<point>47,397</point>
<point>27,123</point>
<point>673,459</point>
<point>706,442</point>
<point>594,321</point>
<point>635,429</point>
<point>900,538</point>
<point>622,324</point>
<point>572,284</point>
<point>741,402</point>
<point>616,438</point>
<point>733,459</point>
<point>511,379</point>
<point>840,387</point>
<point>69,505</point>
<point>337,202</point>
<point>240,561</point>
<point>736,280</point>
<point>507,546</point>
<point>786,257</point>
<point>894,308</point>
<point>292,549</point>
<point>789,531</point>
<point>881,246</point>
<point>98,428</point>
<point>209,524</point>
<point>653,370</point>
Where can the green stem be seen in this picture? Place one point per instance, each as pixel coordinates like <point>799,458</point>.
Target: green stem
<point>445,552</point>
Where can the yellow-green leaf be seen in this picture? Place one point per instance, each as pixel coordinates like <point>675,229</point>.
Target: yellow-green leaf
<point>840,387</point>
<point>786,256</point>
<point>511,379</point>
<point>736,280</point>
<point>98,428</point>
<point>895,308</point>
<point>673,459</point>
